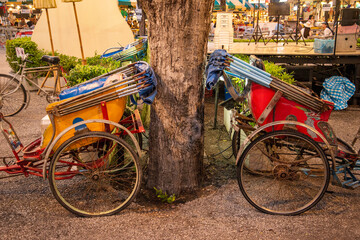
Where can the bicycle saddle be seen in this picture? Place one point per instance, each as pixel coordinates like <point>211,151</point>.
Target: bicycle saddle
<point>51,59</point>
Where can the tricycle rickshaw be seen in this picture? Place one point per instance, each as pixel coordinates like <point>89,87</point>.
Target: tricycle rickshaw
<point>286,161</point>
<point>89,152</point>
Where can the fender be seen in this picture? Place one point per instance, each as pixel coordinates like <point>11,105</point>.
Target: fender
<point>253,134</point>
<point>52,144</point>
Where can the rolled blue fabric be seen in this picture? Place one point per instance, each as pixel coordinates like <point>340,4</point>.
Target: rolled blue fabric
<point>147,94</point>
<point>215,67</point>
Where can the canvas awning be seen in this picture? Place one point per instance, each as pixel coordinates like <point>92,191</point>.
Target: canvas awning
<point>246,4</point>
<point>128,3</point>
<point>237,4</point>
<point>232,4</point>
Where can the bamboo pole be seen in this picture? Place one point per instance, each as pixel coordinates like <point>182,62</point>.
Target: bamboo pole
<point>80,41</point>
<point>51,40</point>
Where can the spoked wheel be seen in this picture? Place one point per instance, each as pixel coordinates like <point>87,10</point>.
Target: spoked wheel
<point>12,95</point>
<point>95,174</point>
<point>283,172</point>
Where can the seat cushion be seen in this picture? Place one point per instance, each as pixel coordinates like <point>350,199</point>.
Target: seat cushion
<point>82,88</point>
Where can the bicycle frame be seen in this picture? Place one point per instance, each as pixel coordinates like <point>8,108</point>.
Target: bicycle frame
<point>36,164</point>
<point>21,76</point>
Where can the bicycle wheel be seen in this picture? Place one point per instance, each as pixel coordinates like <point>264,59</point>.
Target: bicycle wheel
<point>12,100</point>
<point>283,172</point>
<point>95,174</point>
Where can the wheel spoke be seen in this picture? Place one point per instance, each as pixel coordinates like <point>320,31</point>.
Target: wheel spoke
<point>111,178</point>
<point>283,172</point>
<point>12,95</point>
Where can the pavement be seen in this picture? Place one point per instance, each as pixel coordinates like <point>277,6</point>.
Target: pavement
<point>28,210</point>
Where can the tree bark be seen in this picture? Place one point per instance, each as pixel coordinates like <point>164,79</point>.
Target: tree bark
<point>142,27</point>
<point>223,5</point>
<point>178,33</point>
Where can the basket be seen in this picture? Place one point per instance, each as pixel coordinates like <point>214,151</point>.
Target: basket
<point>323,45</point>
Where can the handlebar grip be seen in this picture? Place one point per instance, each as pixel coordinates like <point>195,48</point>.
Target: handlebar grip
<point>29,61</point>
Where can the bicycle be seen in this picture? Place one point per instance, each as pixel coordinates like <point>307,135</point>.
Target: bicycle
<point>14,97</point>
<point>89,152</point>
<point>284,166</point>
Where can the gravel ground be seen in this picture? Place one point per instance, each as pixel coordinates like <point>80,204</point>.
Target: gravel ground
<point>28,209</point>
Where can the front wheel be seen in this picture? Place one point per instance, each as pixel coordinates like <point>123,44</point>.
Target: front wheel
<point>95,174</point>
<point>283,172</point>
<point>12,95</point>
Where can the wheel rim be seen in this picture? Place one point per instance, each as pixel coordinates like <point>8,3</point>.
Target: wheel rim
<point>283,173</point>
<point>94,175</point>
<point>14,102</point>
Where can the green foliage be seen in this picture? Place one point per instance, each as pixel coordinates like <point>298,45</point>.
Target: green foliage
<point>279,72</point>
<point>76,73</point>
<point>273,69</point>
<point>104,62</point>
<point>164,196</point>
<point>82,73</point>
<point>68,62</point>
<point>96,66</point>
<point>29,46</point>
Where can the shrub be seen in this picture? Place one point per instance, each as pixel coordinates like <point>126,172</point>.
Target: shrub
<point>68,62</point>
<point>104,62</point>
<point>82,73</point>
<point>273,69</point>
<point>29,46</point>
<point>76,73</point>
<point>96,66</point>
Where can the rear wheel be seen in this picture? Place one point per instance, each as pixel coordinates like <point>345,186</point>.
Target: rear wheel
<point>95,174</point>
<point>283,172</point>
<point>12,95</point>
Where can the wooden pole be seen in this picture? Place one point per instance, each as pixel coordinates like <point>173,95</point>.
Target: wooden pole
<point>51,40</point>
<point>78,29</point>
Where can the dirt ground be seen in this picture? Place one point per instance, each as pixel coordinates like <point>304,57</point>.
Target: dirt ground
<point>28,209</point>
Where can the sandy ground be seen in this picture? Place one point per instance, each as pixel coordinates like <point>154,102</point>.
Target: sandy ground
<point>28,209</point>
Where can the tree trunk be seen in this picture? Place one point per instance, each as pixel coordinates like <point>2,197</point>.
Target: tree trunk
<point>178,33</point>
<point>223,5</point>
<point>142,27</point>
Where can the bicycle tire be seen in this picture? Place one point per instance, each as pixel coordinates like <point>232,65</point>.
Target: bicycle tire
<point>89,177</point>
<point>12,104</point>
<point>276,185</point>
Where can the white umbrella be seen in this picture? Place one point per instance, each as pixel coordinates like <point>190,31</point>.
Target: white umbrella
<point>78,28</point>
<point>46,4</point>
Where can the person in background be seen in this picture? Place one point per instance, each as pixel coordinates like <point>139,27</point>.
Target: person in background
<point>287,27</point>
<point>328,33</point>
<point>305,31</point>
<point>12,18</point>
<point>212,27</point>
<point>311,21</point>
<point>31,23</point>
<point>281,27</point>
<point>22,23</point>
